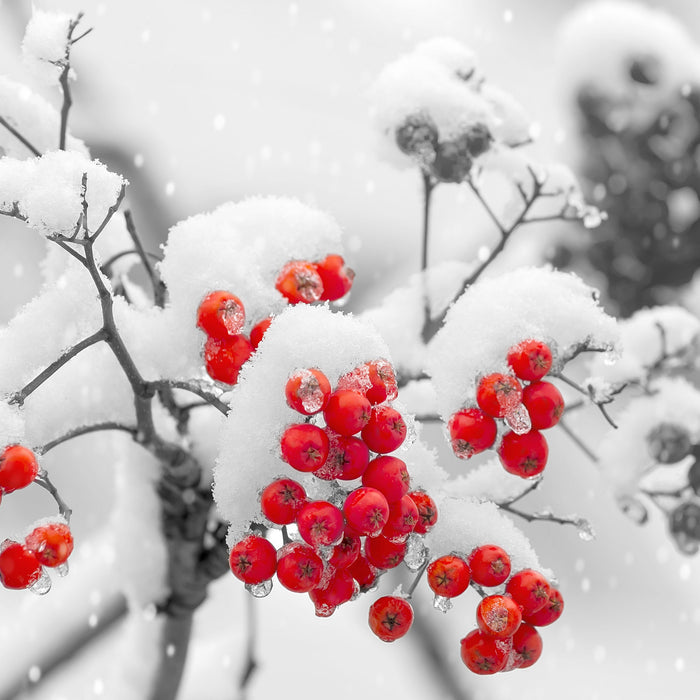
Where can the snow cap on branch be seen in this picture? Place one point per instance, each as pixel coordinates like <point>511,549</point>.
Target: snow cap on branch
<point>11,425</point>
<point>45,44</point>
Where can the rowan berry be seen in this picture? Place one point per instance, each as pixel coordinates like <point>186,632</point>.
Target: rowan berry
<point>548,614</point>
<point>307,391</point>
<point>348,458</point>
<point>385,431</point>
<point>18,468</point>
<point>336,277</point>
<point>669,443</point>
<point>320,523</point>
<point>489,564</point>
<point>346,551</point>
<point>299,568</point>
<point>224,358</point>
<point>52,544</point>
<point>498,615</point>
<point>282,500</point>
<point>299,282</point>
<point>339,589</point>
<point>221,315</point>
<point>523,455</point>
<point>383,553</point>
<point>402,520</point>
<point>388,475</point>
<point>471,431</point>
<point>544,403</point>
<point>390,617</point>
<point>383,382</point>
<point>257,332</point>
<point>253,559</point>
<point>304,447</point>
<point>346,412</point>
<point>527,645</point>
<point>498,394</point>
<point>483,653</point>
<point>427,511</point>
<point>363,572</point>
<point>530,359</point>
<point>529,589</point>
<point>448,576</point>
<point>366,510</point>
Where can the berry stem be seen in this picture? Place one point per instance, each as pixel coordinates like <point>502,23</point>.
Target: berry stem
<point>84,430</point>
<point>577,440</point>
<point>419,575</point>
<point>586,392</point>
<point>250,664</point>
<point>42,479</point>
<point>25,142</point>
<point>541,517</point>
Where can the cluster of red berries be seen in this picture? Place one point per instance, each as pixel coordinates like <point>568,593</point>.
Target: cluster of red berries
<point>221,314</point>
<point>342,549</point>
<point>47,545</point>
<point>301,281</point>
<point>527,410</point>
<point>505,638</point>
<point>21,564</point>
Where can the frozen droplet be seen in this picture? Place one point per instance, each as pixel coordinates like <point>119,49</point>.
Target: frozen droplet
<point>593,217</point>
<point>259,590</point>
<point>43,585</point>
<point>518,419</point>
<point>150,612</point>
<point>61,569</point>
<point>442,603</point>
<point>309,392</point>
<point>416,552</point>
<point>324,610</point>
<point>585,530</point>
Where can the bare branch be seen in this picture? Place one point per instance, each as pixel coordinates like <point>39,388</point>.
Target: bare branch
<point>156,283</point>
<point>534,484</point>
<point>194,388</point>
<point>25,142</point>
<point>577,440</point>
<point>84,430</point>
<point>63,82</point>
<point>110,212</point>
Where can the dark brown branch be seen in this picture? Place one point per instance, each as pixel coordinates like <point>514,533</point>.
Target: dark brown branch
<point>63,81</point>
<point>20,396</point>
<point>251,664</point>
<point>428,187</point>
<point>84,430</point>
<point>22,139</point>
<point>156,283</point>
<point>194,388</point>
<point>577,440</point>
<point>110,212</point>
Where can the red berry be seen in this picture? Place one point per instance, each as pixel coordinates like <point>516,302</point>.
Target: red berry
<point>544,403</point>
<point>363,572</point>
<point>530,360</point>
<point>448,576</point>
<point>385,431</point>
<point>366,510</point>
<point>52,544</point>
<point>253,559</point>
<point>529,589</point>
<point>484,654</point>
<point>299,568</point>
<point>402,520</point>
<point>339,589</point>
<point>346,412</point>
<point>427,511</point>
<point>383,382</point>
<point>19,567</point>
<point>498,615</point>
<point>471,431</point>
<point>258,331</point>
<point>304,447</point>
<point>307,391</point>
<point>548,614</point>
<point>527,645</point>
<point>348,458</point>
<point>336,277</point>
<point>498,394</point>
<point>282,500</point>
<point>221,315</point>
<point>390,617</point>
<point>345,553</point>
<point>224,358</point>
<point>18,468</point>
<point>388,475</point>
<point>383,553</point>
<point>299,282</point>
<point>490,565</point>
<point>523,455</point>
<point>320,523</point>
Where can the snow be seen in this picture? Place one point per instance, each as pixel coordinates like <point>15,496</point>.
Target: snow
<point>45,44</point>
<point>47,190</point>
<point>11,425</point>
<point>499,312</point>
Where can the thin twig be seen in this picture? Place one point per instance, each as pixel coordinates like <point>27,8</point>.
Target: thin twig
<point>577,441</point>
<point>63,82</point>
<point>428,187</point>
<point>110,212</point>
<point>156,282</point>
<point>84,430</point>
<point>250,664</point>
<point>586,392</point>
<point>20,396</point>
<point>419,575</point>
<point>528,489</point>
<point>25,142</point>
<point>193,388</point>
<point>543,517</point>
<point>43,480</point>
